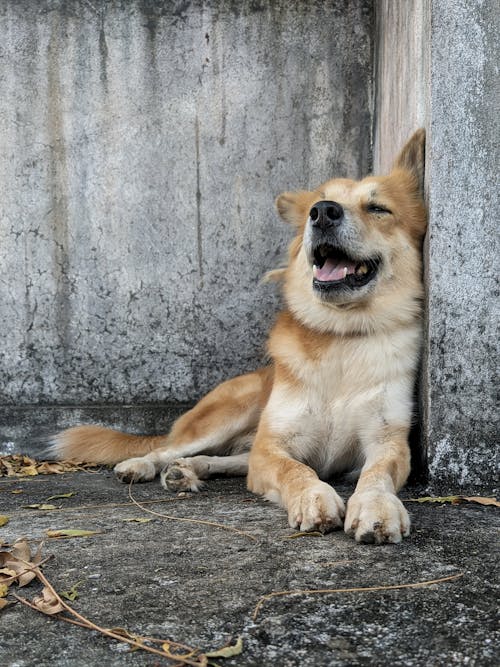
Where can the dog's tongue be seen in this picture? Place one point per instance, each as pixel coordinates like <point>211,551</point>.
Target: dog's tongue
<point>333,269</point>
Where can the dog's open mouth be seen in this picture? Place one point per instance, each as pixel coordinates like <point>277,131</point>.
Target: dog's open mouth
<point>333,268</point>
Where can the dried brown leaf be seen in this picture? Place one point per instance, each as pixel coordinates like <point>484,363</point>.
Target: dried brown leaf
<point>47,602</point>
<point>4,589</point>
<point>455,500</point>
<point>61,495</point>
<point>4,603</point>
<point>227,651</point>
<point>71,532</point>
<point>3,519</point>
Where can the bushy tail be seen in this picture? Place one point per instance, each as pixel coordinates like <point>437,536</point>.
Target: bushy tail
<point>95,444</point>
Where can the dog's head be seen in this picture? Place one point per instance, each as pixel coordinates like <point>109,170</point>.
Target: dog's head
<point>358,245</point>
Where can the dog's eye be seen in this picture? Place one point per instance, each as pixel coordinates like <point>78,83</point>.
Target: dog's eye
<point>376,208</point>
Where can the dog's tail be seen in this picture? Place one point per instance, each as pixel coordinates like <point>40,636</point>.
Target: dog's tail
<point>95,444</point>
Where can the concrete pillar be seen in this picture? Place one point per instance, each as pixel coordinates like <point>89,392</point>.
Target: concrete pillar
<point>436,66</point>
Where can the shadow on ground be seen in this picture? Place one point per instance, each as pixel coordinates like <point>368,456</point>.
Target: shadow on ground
<point>200,584</point>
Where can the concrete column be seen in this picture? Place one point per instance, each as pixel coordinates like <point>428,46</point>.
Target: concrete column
<point>437,67</point>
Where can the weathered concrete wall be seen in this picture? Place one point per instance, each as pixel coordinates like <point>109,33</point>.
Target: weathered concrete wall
<point>437,67</point>
<point>463,165</point>
<point>143,144</point>
<point>402,59</point>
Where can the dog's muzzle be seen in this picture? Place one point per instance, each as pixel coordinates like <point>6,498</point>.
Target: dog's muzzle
<point>335,267</point>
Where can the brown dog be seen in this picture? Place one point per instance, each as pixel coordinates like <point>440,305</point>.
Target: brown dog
<point>338,394</point>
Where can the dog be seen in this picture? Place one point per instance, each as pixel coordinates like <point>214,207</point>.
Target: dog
<point>337,395</point>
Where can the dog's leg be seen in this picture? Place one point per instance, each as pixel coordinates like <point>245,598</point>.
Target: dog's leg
<point>220,419</point>
<point>311,503</point>
<point>374,512</point>
<point>186,474</point>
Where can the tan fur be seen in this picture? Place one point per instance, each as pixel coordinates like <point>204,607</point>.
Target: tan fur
<point>337,395</point>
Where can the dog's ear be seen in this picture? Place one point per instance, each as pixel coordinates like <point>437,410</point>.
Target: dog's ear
<point>293,207</point>
<point>412,157</point>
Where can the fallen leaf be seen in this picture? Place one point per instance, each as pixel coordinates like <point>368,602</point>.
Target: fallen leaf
<point>436,499</point>
<point>18,465</point>
<point>16,491</point>
<point>456,500</point>
<point>4,603</point>
<point>138,520</point>
<point>41,506</point>
<point>19,558</point>
<point>47,602</point>
<point>7,572</point>
<point>3,519</point>
<point>70,532</point>
<point>312,533</point>
<point>178,656</point>
<point>4,589</point>
<point>482,500</point>
<point>72,594</point>
<point>227,651</point>
<point>61,495</point>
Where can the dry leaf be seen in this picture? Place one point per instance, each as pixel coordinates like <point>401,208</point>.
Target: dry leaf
<point>4,603</point>
<point>312,533</point>
<point>47,602</point>
<point>138,520</point>
<point>18,465</point>
<point>70,532</point>
<point>7,572</point>
<point>3,519</point>
<point>73,593</point>
<point>227,651</point>
<point>41,506</point>
<point>482,500</point>
<point>455,500</point>
<point>4,589</point>
<point>16,491</point>
<point>178,656</point>
<point>61,495</point>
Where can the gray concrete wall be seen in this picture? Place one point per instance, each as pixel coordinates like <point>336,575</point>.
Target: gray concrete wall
<point>437,67</point>
<point>463,167</point>
<point>143,144</point>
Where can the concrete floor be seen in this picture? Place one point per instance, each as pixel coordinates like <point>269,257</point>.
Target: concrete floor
<point>200,584</point>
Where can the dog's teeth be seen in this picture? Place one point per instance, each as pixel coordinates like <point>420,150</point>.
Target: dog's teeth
<point>345,271</point>
<point>361,269</point>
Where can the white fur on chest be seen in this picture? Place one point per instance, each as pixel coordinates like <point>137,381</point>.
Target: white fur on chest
<point>343,398</point>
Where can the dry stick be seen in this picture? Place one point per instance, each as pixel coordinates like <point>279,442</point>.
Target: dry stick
<point>85,623</point>
<point>198,521</point>
<point>417,584</point>
<point>101,505</point>
<point>92,626</point>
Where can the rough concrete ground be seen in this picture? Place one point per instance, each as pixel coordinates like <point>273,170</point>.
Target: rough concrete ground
<point>200,584</point>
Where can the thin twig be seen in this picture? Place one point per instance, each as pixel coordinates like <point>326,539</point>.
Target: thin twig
<point>186,520</point>
<point>102,505</point>
<point>365,589</point>
<point>86,623</point>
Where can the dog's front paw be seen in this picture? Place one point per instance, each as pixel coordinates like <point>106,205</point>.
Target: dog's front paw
<point>135,470</point>
<point>318,507</point>
<point>180,476</point>
<point>376,516</point>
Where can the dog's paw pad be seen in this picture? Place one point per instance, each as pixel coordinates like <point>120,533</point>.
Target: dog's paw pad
<point>180,476</point>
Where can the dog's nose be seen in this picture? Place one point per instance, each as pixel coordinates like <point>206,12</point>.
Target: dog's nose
<point>325,214</point>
